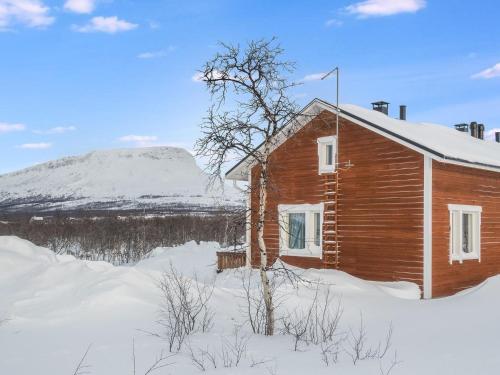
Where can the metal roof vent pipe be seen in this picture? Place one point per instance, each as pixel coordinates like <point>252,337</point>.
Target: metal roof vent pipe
<point>497,137</point>
<point>462,128</point>
<point>381,106</point>
<point>480,131</point>
<point>402,112</point>
<point>473,129</point>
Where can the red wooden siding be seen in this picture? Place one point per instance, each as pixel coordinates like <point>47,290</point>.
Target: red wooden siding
<point>460,185</point>
<point>380,207</point>
<point>294,180</point>
<point>380,200</point>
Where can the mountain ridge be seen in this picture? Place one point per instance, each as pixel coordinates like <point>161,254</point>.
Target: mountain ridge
<point>153,177</point>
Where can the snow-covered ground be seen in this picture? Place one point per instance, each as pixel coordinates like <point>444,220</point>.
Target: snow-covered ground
<point>57,306</point>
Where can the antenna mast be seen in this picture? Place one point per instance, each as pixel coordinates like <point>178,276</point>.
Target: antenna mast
<point>337,72</point>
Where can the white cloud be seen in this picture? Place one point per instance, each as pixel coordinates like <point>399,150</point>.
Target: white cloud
<point>138,138</point>
<point>154,25</point>
<point>313,77</point>
<point>156,54</point>
<point>8,128</point>
<point>110,25</point>
<point>30,13</point>
<point>200,77</point>
<point>56,130</point>
<point>151,55</point>
<point>36,146</point>
<point>492,72</point>
<point>333,23</point>
<point>80,6</point>
<point>380,8</point>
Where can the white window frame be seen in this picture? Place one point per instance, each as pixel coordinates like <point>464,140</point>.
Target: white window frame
<point>311,249</point>
<point>456,250</point>
<point>323,142</point>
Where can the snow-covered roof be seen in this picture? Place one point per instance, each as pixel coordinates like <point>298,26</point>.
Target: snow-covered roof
<point>440,142</point>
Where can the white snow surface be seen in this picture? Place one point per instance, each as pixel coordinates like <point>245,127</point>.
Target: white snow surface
<point>57,306</point>
<point>442,139</point>
<point>154,175</point>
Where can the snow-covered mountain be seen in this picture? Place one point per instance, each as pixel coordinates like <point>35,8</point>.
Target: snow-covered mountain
<point>156,177</point>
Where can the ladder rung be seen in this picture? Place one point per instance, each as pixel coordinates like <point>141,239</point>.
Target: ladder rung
<point>330,232</point>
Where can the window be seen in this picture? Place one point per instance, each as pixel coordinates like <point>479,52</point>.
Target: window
<point>296,230</point>
<point>326,154</point>
<point>465,232</point>
<point>300,229</point>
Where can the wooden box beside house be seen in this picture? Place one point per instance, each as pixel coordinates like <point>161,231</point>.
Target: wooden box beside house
<point>414,202</point>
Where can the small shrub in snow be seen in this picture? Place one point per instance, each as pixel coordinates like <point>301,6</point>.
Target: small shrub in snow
<point>318,324</point>
<point>230,353</point>
<point>159,362</point>
<point>185,307</point>
<point>357,344</point>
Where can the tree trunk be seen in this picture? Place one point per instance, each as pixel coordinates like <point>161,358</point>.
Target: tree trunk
<point>266,287</point>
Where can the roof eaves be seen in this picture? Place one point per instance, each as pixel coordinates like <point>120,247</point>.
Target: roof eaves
<point>417,145</point>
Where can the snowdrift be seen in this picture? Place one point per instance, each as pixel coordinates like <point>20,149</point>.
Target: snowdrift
<point>57,306</point>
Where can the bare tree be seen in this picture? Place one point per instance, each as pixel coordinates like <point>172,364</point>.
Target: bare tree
<point>250,108</point>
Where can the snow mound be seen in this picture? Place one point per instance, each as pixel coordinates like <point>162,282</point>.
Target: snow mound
<point>192,258</point>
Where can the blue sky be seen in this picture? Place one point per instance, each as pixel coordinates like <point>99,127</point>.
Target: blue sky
<point>79,75</point>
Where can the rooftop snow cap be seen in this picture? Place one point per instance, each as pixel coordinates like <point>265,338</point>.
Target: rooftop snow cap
<point>381,106</point>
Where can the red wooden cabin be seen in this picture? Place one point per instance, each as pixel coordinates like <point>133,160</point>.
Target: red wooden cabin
<point>404,201</point>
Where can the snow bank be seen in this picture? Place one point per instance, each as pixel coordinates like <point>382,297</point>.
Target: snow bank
<point>57,306</point>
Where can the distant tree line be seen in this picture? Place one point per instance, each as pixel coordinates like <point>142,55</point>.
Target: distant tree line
<point>125,239</point>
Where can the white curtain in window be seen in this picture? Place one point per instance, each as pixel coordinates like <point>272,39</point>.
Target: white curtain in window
<point>296,230</point>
